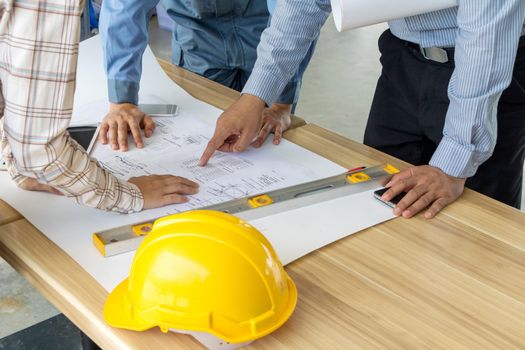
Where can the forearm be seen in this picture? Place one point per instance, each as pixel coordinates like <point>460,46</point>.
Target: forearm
<point>75,175</point>
<point>295,24</point>
<point>124,31</point>
<point>484,58</point>
<point>38,106</point>
<point>290,93</point>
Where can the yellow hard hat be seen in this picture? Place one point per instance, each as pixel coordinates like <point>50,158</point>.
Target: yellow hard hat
<point>204,271</point>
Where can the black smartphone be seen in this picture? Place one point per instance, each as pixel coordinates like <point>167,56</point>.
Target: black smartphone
<point>391,203</point>
<point>84,135</point>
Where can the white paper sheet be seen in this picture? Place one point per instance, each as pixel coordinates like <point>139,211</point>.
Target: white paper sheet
<point>350,14</point>
<point>176,146</point>
<point>293,234</point>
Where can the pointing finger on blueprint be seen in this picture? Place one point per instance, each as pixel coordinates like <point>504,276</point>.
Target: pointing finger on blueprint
<point>236,128</point>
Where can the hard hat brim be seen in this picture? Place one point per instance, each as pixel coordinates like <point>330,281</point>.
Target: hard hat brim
<point>118,313</point>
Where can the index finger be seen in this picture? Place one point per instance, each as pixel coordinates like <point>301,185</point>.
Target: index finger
<point>103,133</point>
<point>404,174</point>
<point>398,187</point>
<point>215,143</point>
<point>263,134</point>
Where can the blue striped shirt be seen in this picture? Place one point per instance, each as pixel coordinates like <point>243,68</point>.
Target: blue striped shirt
<point>485,34</point>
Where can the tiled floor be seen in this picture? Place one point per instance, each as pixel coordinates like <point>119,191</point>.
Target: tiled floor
<point>337,92</point>
<point>55,333</point>
<point>20,304</point>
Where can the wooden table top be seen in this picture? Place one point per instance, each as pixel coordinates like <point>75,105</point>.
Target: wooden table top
<point>8,214</point>
<point>453,282</point>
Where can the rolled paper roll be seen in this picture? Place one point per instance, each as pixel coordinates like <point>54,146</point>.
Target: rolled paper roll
<point>350,14</point>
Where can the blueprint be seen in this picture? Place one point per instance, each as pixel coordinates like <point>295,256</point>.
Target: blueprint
<point>175,148</point>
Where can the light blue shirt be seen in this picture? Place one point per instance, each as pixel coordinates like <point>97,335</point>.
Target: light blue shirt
<point>485,34</point>
<point>214,38</point>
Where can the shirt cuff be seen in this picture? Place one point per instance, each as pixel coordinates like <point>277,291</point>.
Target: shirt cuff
<point>130,199</point>
<point>121,91</point>
<point>266,86</point>
<point>7,157</point>
<point>290,94</point>
<point>456,160</point>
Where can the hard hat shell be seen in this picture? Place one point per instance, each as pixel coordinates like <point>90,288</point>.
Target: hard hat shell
<point>204,271</point>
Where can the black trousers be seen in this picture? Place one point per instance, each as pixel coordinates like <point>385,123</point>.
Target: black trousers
<point>409,108</point>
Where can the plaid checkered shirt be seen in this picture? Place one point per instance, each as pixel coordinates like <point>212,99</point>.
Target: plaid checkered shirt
<point>38,59</point>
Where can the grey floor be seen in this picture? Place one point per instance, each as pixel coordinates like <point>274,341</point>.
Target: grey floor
<point>337,92</point>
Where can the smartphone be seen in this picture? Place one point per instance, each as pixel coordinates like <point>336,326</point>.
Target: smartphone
<point>86,136</point>
<point>391,203</point>
<point>159,110</point>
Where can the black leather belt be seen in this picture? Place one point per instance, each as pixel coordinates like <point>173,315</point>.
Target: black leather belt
<point>436,54</point>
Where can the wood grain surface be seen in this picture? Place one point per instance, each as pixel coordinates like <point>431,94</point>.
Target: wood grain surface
<point>453,282</point>
<point>7,213</point>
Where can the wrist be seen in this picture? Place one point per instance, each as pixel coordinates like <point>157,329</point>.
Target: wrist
<point>253,101</point>
<point>120,106</point>
<point>282,107</point>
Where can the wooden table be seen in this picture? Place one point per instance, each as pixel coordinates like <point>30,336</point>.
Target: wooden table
<point>454,282</point>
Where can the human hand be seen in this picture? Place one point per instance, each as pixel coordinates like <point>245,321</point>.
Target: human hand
<point>276,119</point>
<point>426,186</point>
<point>121,119</point>
<point>236,127</point>
<point>161,190</point>
<point>30,184</point>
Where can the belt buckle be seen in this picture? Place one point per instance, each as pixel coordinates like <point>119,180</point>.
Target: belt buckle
<point>435,54</point>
